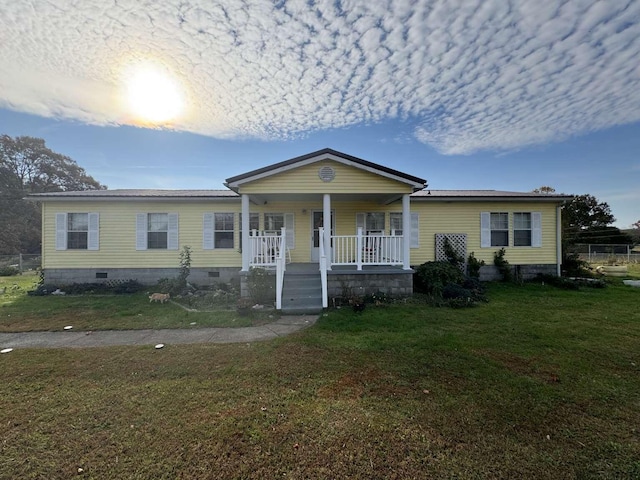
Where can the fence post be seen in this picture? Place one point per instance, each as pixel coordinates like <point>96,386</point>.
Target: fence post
<point>20,262</point>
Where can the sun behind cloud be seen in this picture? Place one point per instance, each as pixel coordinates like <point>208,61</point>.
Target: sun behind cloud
<point>152,95</point>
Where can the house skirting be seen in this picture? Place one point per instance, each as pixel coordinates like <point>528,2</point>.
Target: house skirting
<point>146,276</point>
<point>490,273</point>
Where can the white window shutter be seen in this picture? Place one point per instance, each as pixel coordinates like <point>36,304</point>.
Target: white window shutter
<point>61,231</point>
<point>360,219</point>
<point>172,234</point>
<point>290,237</point>
<point>207,231</point>
<point>141,231</point>
<point>536,229</point>
<point>485,229</point>
<point>415,230</point>
<point>93,236</point>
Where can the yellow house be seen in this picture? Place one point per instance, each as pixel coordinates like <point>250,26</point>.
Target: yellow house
<point>319,222</point>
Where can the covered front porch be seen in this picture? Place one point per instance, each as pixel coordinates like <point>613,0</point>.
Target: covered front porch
<point>337,212</point>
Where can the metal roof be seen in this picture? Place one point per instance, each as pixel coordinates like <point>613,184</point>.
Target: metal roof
<point>138,193</point>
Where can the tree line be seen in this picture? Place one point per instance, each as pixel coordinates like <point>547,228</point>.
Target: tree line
<point>28,166</point>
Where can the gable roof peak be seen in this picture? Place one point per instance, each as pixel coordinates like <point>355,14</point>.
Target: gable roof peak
<point>319,155</point>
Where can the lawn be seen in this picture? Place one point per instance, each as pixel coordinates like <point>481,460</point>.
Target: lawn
<point>538,383</point>
<point>22,313</point>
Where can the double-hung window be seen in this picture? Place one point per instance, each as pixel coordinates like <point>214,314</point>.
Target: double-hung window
<point>495,229</point>
<point>499,229</point>
<point>395,227</point>
<point>527,229</point>
<point>254,223</point>
<point>218,230</point>
<point>273,223</point>
<point>77,231</point>
<point>371,222</point>
<point>157,231</point>
<point>522,229</point>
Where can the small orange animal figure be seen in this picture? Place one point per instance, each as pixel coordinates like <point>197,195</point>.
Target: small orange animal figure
<point>159,297</point>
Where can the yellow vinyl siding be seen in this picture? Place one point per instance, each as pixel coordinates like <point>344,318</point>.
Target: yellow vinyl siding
<point>464,217</point>
<point>118,236</point>
<point>306,180</point>
<point>118,230</point>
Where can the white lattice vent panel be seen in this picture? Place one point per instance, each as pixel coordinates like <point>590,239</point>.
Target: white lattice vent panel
<point>458,242</point>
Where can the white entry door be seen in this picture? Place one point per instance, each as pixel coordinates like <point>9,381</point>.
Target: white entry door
<point>316,223</point>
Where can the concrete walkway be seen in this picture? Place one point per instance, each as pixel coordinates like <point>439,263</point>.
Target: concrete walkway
<point>283,326</point>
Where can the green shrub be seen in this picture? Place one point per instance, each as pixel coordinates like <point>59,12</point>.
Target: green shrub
<point>261,286</point>
<point>9,271</point>
<point>431,277</point>
<point>474,265</point>
<point>503,265</point>
<point>453,257</point>
<point>573,266</point>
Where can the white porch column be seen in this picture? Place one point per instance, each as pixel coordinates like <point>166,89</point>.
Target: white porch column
<point>406,232</point>
<point>326,222</point>
<point>246,246</point>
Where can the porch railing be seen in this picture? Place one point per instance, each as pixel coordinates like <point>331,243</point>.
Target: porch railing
<point>367,249</point>
<point>265,248</point>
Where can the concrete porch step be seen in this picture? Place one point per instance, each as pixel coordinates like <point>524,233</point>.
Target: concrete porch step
<point>301,293</point>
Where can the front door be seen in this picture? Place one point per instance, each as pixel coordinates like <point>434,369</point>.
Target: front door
<point>316,223</point>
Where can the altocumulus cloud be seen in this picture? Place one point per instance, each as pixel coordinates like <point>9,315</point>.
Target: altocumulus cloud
<point>463,75</point>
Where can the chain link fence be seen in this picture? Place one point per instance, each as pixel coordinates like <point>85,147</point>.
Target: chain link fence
<point>607,253</point>
<point>23,262</point>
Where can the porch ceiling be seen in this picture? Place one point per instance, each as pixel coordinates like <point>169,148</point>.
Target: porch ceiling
<point>380,198</point>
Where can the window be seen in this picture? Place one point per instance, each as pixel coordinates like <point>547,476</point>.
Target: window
<point>254,224</point>
<point>494,229</point>
<point>499,229</point>
<point>371,222</point>
<point>522,229</point>
<point>223,230</point>
<point>77,231</point>
<point>273,223</point>
<point>395,226</point>
<point>395,223</point>
<point>157,231</point>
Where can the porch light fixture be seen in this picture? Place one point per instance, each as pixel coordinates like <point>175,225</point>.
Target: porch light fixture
<point>326,173</point>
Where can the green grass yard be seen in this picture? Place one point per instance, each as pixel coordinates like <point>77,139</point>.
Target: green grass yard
<point>22,313</point>
<point>538,383</point>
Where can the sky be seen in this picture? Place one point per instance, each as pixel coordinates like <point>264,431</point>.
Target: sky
<point>486,94</point>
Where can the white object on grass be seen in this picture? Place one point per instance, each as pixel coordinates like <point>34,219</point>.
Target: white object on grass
<point>159,346</point>
<point>68,327</point>
<point>6,350</point>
